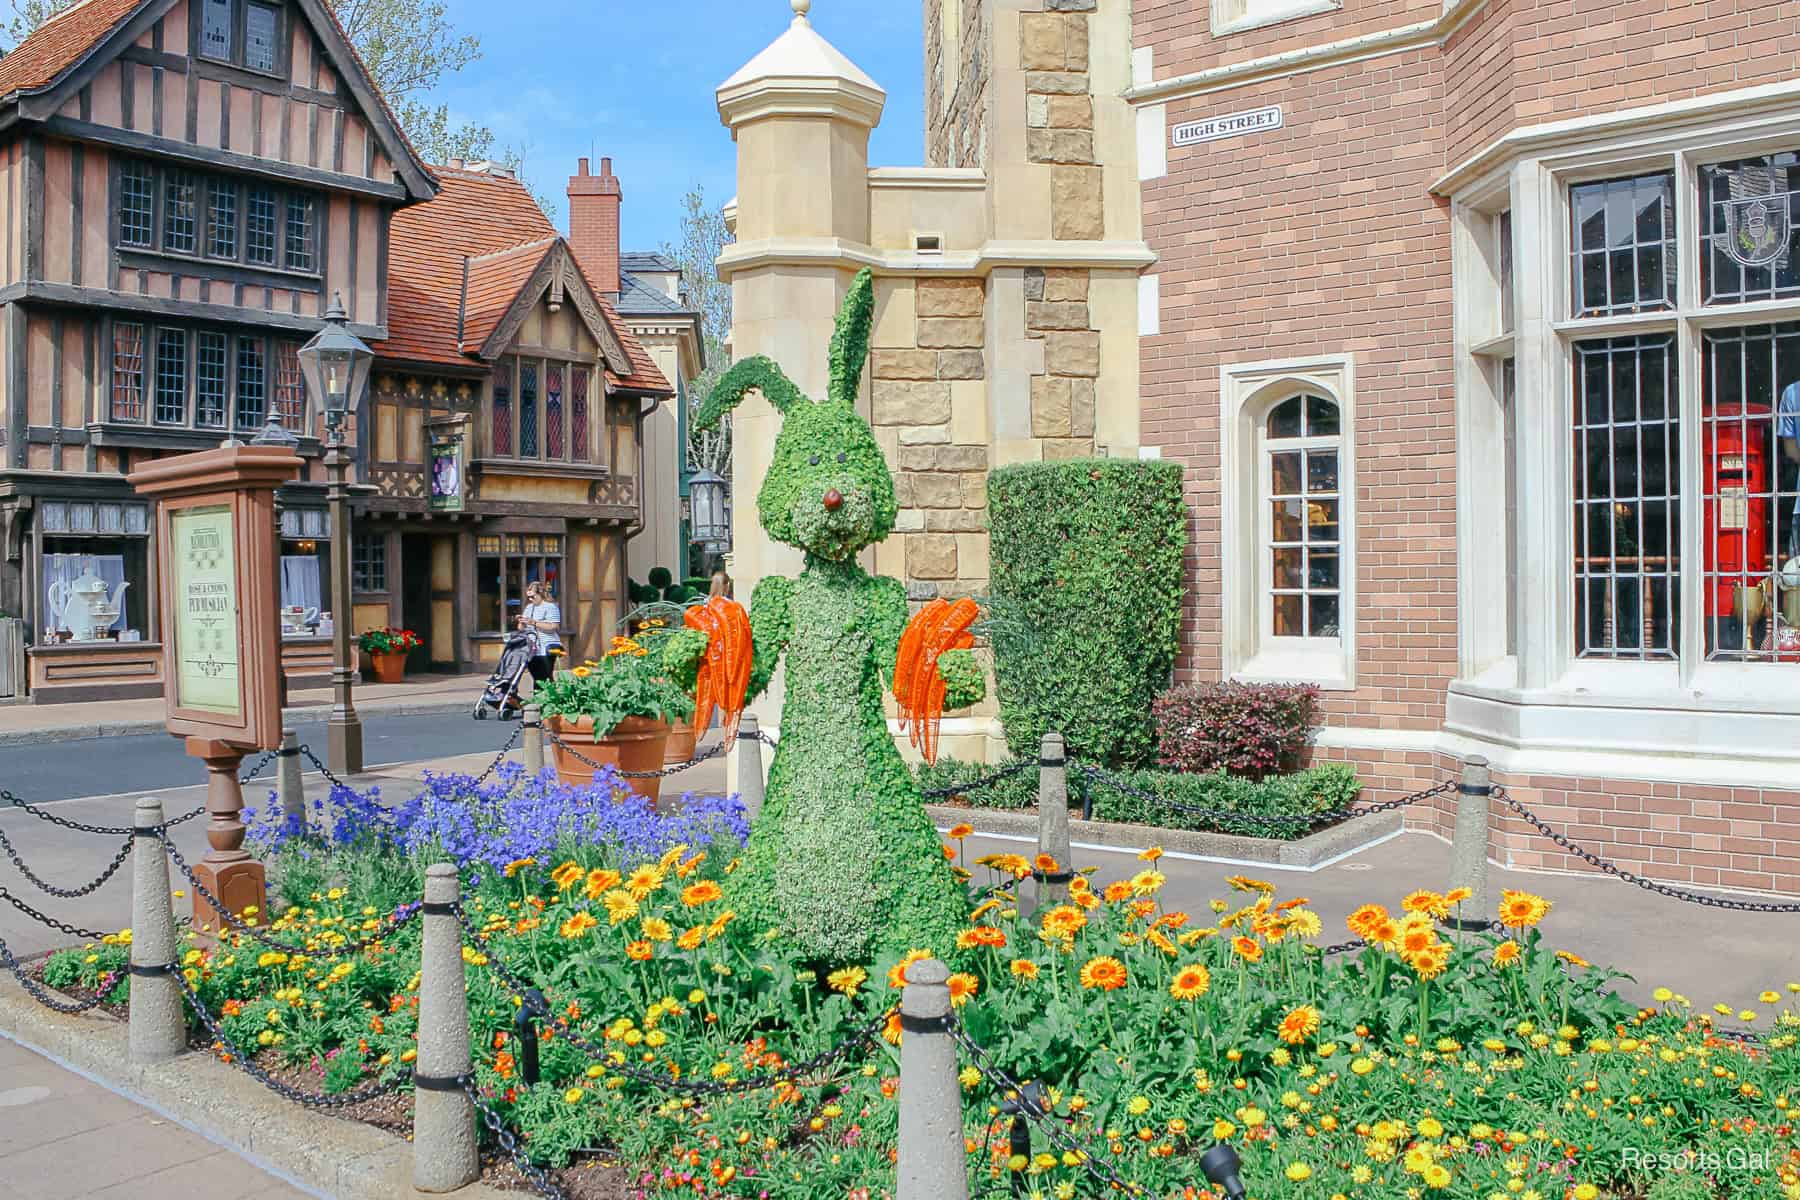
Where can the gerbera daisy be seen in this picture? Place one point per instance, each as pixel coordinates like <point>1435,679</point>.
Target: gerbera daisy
<point>1425,901</point>
<point>1191,982</point>
<point>1046,864</point>
<point>1522,910</point>
<point>690,866</point>
<point>1365,919</point>
<point>1147,882</point>
<point>1117,892</point>
<point>619,906</point>
<point>1243,883</point>
<point>691,939</point>
<point>599,882</point>
<point>1248,949</point>
<point>1458,895</point>
<point>1151,855</point>
<point>961,831</point>
<point>1386,933</point>
<point>896,975</point>
<point>980,935</point>
<point>1024,968</point>
<point>704,892</point>
<point>577,925</point>
<point>644,880</point>
<point>1298,1025</point>
<point>962,987</point>
<point>1007,864</point>
<point>657,929</point>
<point>1105,973</point>
<point>1574,960</point>
<point>1506,954</point>
<point>639,951</point>
<point>1304,922</point>
<point>847,980</point>
<point>1064,922</point>
<point>566,876</point>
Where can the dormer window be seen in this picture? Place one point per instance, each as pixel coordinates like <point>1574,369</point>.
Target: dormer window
<point>243,33</point>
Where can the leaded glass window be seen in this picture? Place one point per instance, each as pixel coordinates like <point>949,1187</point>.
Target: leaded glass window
<point>216,28</point>
<point>1627,493</point>
<point>261,26</point>
<point>222,218</point>
<point>528,410</point>
<point>252,383</point>
<point>171,376</point>
<point>290,386</point>
<point>1623,245</point>
<point>553,410</point>
<point>137,204</point>
<point>300,233</point>
<point>578,413</point>
<point>1748,212</point>
<point>128,371</point>
<point>503,409</point>
<point>180,213</point>
<point>260,222</point>
<point>210,376</point>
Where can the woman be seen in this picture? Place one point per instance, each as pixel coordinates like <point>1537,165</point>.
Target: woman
<point>543,620</point>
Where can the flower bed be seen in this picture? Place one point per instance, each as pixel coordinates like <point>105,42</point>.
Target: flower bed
<point>1419,1065</point>
<point>1302,795</point>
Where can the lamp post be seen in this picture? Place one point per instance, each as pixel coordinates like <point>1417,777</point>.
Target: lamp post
<point>711,519</point>
<point>336,364</point>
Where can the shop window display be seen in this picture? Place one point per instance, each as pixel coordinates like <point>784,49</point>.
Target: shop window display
<point>305,570</point>
<point>504,564</point>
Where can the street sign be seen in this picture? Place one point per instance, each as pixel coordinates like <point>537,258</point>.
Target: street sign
<point>1237,124</point>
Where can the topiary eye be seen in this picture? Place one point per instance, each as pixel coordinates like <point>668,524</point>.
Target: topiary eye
<point>813,461</point>
<point>843,458</point>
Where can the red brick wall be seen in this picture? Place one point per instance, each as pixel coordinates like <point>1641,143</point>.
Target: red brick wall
<point>1181,30</point>
<point>1322,238</point>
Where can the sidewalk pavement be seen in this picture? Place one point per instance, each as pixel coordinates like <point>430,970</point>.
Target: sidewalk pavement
<point>21,723</point>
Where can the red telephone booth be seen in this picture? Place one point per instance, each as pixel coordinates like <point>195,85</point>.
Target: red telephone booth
<point>1738,539</point>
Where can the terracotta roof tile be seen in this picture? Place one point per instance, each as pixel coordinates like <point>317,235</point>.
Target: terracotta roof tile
<point>494,222</point>
<point>61,42</point>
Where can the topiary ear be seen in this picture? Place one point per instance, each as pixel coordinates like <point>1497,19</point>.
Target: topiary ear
<point>850,341</point>
<point>752,374</point>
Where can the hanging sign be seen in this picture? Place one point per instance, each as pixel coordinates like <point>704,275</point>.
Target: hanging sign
<point>205,588</point>
<point>449,471</point>
<point>1212,129</point>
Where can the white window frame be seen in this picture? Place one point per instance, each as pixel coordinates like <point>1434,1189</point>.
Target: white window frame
<point>1544,696</point>
<point>1235,16</point>
<point>1249,392</point>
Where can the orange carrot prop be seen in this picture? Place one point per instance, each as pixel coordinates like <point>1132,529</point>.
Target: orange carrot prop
<point>724,675</point>
<point>939,627</point>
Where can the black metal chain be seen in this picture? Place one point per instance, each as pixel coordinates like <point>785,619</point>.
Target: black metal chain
<point>321,767</point>
<point>509,1142</point>
<point>63,927</point>
<point>1618,872</point>
<point>47,998</point>
<point>259,766</point>
<point>1004,773</point>
<point>67,893</point>
<point>79,827</point>
<point>1041,1117</point>
<point>522,988</point>
<point>400,919</point>
<point>305,1099</point>
<point>517,733</point>
<point>1102,775</point>
<point>713,751</point>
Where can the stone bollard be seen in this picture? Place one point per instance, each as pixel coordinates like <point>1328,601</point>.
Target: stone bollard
<point>446,1152</point>
<point>289,786</point>
<point>1468,848</point>
<point>1053,822</point>
<point>158,1021</point>
<point>534,740</point>
<point>932,1163</point>
<point>749,764</point>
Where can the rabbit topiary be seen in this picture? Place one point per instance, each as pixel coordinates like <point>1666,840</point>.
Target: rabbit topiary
<point>843,857</point>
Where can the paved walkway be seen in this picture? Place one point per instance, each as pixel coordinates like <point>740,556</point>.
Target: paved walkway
<point>63,1137</point>
<point>35,722</point>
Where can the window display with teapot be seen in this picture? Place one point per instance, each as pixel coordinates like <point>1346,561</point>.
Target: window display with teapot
<point>93,571</point>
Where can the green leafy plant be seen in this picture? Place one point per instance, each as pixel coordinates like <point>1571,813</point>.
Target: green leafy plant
<point>1087,592</point>
<point>388,641</point>
<point>628,682</point>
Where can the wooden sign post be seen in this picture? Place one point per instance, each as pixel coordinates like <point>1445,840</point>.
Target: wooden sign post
<point>222,656</point>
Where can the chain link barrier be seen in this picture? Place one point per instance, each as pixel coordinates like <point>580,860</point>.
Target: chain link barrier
<point>1000,776</point>
<point>49,999</point>
<point>508,1141</point>
<point>1617,872</point>
<point>1040,1117</point>
<point>401,917</point>
<point>259,766</point>
<point>80,827</point>
<point>711,752</point>
<point>60,893</point>
<point>1096,774</point>
<point>45,919</point>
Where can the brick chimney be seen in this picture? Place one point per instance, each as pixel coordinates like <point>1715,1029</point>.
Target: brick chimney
<point>594,202</point>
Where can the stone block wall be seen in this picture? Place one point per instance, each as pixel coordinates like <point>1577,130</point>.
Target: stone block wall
<point>928,404</point>
<point>1063,394</point>
<point>1059,116</point>
<point>957,71</point>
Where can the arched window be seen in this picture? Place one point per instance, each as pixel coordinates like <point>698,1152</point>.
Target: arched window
<point>1301,560</point>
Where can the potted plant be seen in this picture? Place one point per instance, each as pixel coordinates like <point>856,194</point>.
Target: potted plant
<point>616,712</point>
<point>387,650</point>
<point>651,626</point>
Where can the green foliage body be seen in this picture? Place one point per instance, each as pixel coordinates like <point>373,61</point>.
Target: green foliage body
<point>842,856</point>
<point>1087,591</point>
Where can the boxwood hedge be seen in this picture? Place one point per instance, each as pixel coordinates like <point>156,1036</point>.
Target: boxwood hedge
<point>1086,601</point>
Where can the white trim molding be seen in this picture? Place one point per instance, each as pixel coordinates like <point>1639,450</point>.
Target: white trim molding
<point>1247,393</point>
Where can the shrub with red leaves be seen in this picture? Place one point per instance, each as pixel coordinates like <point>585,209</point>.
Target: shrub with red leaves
<point>1250,729</point>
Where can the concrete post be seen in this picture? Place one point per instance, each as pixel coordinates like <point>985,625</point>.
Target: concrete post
<point>289,786</point>
<point>446,1154</point>
<point>932,1163</point>
<point>750,764</point>
<point>1053,822</point>
<point>158,1023</point>
<point>1468,849</point>
<point>534,740</point>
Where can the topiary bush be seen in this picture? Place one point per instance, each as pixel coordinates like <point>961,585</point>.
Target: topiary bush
<point>1252,729</point>
<point>1087,591</point>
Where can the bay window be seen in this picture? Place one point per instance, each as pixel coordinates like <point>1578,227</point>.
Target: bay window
<point>1628,323</point>
<point>539,409</point>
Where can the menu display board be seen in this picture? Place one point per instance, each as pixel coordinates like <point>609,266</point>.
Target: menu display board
<point>208,660</point>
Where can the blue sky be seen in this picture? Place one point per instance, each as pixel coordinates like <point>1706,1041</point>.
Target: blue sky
<point>634,79</point>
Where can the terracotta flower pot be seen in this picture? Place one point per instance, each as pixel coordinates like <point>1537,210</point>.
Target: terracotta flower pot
<point>637,744</point>
<point>681,743</point>
<point>389,668</point>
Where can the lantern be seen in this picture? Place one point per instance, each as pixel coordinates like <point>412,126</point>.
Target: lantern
<point>336,363</point>
<point>707,493</point>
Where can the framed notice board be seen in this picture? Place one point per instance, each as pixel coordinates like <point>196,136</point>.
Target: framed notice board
<point>209,668</point>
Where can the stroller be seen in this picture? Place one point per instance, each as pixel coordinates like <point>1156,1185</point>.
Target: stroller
<point>501,695</point>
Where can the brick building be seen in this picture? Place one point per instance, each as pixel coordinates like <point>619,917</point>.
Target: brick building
<point>1476,323</point>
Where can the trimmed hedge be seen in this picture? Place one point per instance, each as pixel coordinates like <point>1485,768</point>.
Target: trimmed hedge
<point>1302,794</point>
<point>1086,606</point>
<point>1254,729</point>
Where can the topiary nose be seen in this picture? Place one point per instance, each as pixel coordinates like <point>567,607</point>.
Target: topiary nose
<point>833,500</point>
